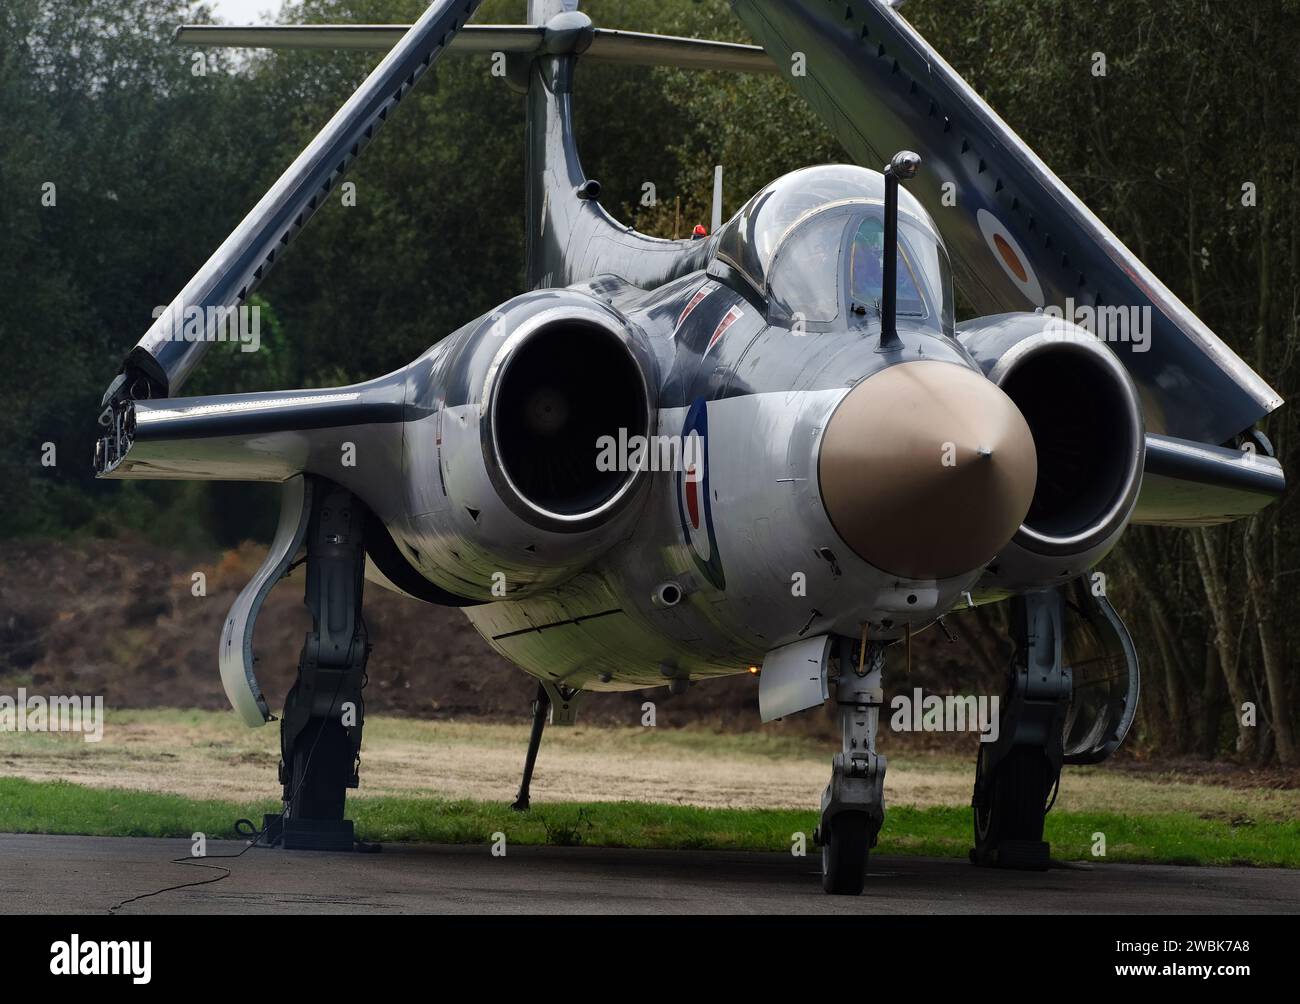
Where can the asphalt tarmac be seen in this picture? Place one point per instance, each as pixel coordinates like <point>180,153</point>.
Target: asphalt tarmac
<point>58,874</point>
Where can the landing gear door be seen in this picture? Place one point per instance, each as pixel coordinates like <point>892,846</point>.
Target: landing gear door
<point>794,678</point>
<point>1104,665</point>
<point>235,657</point>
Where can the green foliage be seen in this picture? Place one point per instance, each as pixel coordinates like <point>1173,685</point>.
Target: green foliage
<point>154,165</point>
<point>672,126</point>
<point>151,166</point>
<point>1170,838</point>
<point>1196,102</point>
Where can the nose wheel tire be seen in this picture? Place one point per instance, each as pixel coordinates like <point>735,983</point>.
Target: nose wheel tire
<point>845,846</point>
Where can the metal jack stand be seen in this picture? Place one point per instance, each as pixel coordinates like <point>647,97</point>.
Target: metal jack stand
<point>320,735</point>
<point>1016,774</point>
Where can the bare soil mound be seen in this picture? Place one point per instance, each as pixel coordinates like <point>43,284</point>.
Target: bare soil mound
<point>120,618</point>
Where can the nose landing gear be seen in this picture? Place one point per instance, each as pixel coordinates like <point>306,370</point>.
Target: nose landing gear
<point>853,805</point>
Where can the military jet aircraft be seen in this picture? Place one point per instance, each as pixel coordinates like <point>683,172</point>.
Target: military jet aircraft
<point>770,446</point>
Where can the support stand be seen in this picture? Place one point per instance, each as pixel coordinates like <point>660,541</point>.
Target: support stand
<point>320,734</point>
<point>1016,774</point>
<point>541,708</point>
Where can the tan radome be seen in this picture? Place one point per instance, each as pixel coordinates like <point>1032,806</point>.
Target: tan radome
<point>927,469</point>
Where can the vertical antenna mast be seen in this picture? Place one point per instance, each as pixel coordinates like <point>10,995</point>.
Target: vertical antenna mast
<point>902,167</point>
<point>716,222</point>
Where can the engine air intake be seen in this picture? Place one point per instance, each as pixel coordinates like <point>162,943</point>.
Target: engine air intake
<point>1088,434</point>
<point>563,387</point>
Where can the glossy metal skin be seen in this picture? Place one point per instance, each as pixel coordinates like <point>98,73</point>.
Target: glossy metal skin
<point>1038,556</point>
<point>759,562</point>
<point>570,239</point>
<point>765,566</point>
<point>750,344</point>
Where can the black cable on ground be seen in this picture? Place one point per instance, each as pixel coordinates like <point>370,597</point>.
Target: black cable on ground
<point>197,862</point>
<point>188,860</point>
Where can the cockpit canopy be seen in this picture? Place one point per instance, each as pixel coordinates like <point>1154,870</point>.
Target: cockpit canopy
<point>812,244</point>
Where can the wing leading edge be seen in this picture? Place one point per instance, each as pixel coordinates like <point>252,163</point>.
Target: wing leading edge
<point>1191,484</point>
<point>1019,238</point>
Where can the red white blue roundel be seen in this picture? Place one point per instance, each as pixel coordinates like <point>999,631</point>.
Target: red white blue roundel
<point>1010,257</point>
<point>694,503</point>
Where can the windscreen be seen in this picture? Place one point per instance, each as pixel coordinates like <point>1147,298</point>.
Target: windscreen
<point>828,270</point>
<point>867,270</point>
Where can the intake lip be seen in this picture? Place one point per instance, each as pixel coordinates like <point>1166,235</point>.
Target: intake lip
<point>563,379</point>
<point>1087,424</point>
<point>927,469</point>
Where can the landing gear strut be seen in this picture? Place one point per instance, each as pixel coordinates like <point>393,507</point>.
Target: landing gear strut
<point>320,734</point>
<point>541,709</point>
<point>853,805</point>
<point>557,704</point>
<point>1017,774</point>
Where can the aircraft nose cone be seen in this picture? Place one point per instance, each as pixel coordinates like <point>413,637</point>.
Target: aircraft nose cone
<point>927,469</point>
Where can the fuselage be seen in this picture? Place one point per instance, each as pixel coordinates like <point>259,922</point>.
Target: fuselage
<point>748,544</point>
<point>704,451</point>
<point>727,544</point>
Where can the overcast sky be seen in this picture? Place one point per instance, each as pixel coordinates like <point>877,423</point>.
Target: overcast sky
<point>246,11</point>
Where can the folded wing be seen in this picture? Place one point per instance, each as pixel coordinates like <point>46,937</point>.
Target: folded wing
<point>1018,237</point>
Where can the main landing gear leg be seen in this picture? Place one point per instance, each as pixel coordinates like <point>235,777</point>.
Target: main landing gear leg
<point>853,805</point>
<point>320,735</point>
<point>1017,774</point>
<point>557,704</point>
